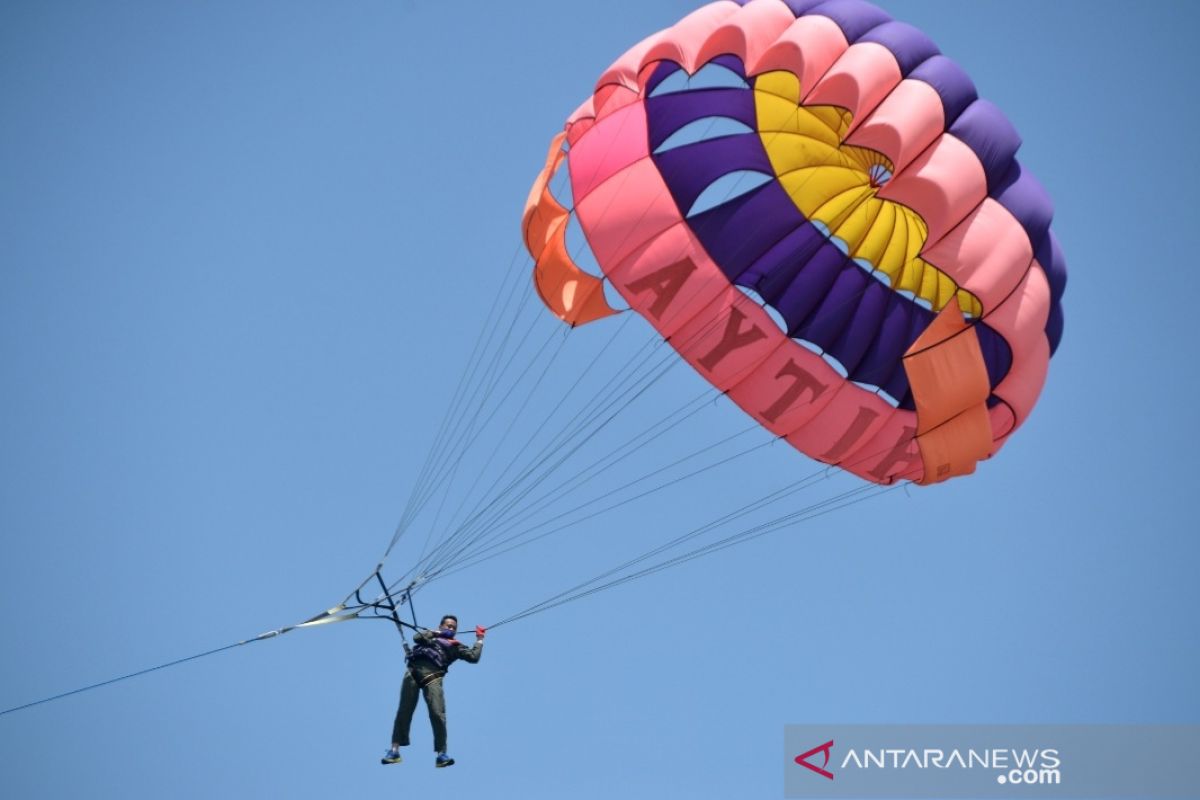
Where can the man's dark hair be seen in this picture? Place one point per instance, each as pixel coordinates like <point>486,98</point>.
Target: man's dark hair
<point>449,616</point>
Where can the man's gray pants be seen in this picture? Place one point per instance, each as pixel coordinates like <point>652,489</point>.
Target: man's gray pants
<point>435,701</point>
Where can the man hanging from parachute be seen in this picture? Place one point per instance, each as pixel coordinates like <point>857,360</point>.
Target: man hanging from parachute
<point>431,656</point>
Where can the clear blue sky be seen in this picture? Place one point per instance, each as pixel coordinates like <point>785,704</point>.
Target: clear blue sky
<point>244,251</point>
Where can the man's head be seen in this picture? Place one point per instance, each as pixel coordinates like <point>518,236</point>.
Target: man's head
<point>449,623</point>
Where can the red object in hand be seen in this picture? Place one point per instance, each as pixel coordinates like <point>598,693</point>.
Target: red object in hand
<point>480,631</point>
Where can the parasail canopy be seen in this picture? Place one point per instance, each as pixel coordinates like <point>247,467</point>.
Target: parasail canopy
<point>817,211</point>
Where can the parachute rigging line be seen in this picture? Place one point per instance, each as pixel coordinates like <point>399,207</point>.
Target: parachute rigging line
<point>849,498</point>
<point>508,430</point>
<point>617,394</point>
<point>598,467</point>
<point>549,470</point>
<point>498,525</point>
<point>468,378</point>
<point>609,402</point>
<point>490,550</point>
<point>140,672</point>
<point>483,541</point>
<point>460,439</point>
<point>561,404</point>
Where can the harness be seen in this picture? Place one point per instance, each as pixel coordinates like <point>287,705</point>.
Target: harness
<point>424,680</point>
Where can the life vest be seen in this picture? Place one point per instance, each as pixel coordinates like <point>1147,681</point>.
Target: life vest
<point>439,653</point>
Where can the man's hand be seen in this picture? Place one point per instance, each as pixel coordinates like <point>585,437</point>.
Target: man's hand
<point>480,631</point>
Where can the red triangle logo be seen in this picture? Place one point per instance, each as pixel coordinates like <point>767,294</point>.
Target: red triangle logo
<point>802,759</point>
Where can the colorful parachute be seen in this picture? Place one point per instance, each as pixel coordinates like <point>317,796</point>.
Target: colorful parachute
<point>812,205</point>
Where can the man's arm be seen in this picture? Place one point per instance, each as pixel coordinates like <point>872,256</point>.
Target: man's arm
<point>471,654</point>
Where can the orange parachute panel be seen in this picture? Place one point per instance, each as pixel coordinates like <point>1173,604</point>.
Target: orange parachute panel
<point>571,294</point>
<point>950,386</point>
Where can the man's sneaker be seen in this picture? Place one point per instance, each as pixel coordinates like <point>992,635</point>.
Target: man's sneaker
<point>443,760</point>
<point>391,757</point>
